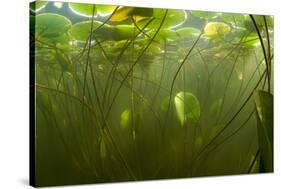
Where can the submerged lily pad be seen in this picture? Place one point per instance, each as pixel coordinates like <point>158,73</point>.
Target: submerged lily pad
<point>51,25</point>
<point>126,118</point>
<point>88,9</point>
<point>187,108</point>
<point>264,112</point>
<point>214,29</point>
<point>129,120</point>
<point>38,5</point>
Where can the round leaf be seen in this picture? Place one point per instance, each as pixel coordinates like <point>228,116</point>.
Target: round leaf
<point>51,25</point>
<point>214,29</point>
<point>87,9</point>
<point>82,30</point>
<point>187,108</point>
<point>204,14</point>
<point>173,19</point>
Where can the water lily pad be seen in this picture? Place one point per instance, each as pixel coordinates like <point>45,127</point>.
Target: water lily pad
<point>173,19</point>
<point>81,31</point>
<point>87,9</point>
<point>126,119</point>
<point>251,40</point>
<point>51,25</point>
<point>204,14</point>
<point>129,120</point>
<point>164,34</point>
<point>187,108</point>
<point>236,20</point>
<point>37,5</point>
<point>187,32</point>
<point>123,32</point>
<point>215,29</point>
<point>138,13</point>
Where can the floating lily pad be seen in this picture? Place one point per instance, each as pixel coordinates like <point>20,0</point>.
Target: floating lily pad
<point>37,5</point>
<point>88,9</point>
<point>138,13</point>
<point>123,32</point>
<point>251,40</point>
<point>82,30</point>
<point>204,14</point>
<point>164,34</point>
<point>215,29</point>
<point>236,19</point>
<point>187,108</point>
<point>51,25</point>
<point>173,19</point>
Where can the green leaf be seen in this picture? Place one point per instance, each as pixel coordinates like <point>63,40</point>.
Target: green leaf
<point>126,119</point>
<point>51,25</point>
<point>204,14</point>
<point>235,19</point>
<point>87,9</point>
<point>264,112</point>
<point>187,108</point>
<point>187,32</point>
<point>123,32</point>
<point>164,34</point>
<point>173,19</point>
<point>215,29</point>
<point>81,31</point>
<point>251,40</point>
<point>105,9</point>
<point>130,120</point>
<point>37,5</point>
<point>138,13</point>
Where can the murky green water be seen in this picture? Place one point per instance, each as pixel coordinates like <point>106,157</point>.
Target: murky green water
<point>127,93</point>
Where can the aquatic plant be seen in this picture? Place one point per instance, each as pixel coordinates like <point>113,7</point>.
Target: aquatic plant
<point>122,92</point>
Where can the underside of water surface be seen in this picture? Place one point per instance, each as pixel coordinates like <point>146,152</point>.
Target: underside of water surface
<point>132,93</point>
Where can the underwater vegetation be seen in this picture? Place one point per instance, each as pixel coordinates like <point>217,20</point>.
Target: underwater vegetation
<point>133,93</point>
